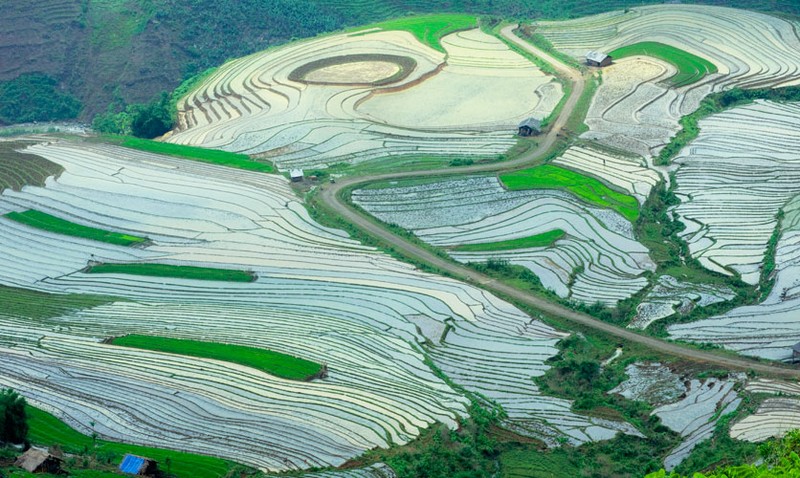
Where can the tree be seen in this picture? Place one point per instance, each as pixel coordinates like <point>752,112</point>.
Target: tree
<point>152,119</point>
<point>13,420</point>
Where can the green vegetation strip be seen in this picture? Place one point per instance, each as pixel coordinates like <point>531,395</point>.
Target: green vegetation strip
<point>691,68</point>
<point>588,189</point>
<point>47,430</point>
<point>213,156</point>
<point>168,270</point>
<point>50,223</point>
<point>274,363</point>
<point>539,240</point>
<point>428,29</point>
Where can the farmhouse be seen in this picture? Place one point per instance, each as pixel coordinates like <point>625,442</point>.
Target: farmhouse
<point>596,58</point>
<point>530,127</point>
<point>38,460</point>
<point>138,465</point>
<point>296,175</point>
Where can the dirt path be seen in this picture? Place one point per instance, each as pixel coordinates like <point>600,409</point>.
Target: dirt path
<point>329,194</point>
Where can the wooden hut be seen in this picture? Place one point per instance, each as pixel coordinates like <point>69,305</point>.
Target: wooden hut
<point>138,465</point>
<point>530,127</point>
<point>38,460</point>
<point>597,58</point>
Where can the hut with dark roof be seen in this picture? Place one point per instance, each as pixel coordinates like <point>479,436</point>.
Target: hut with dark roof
<point>39,460</point>
<point>530,127</point>
<point>596,58</point>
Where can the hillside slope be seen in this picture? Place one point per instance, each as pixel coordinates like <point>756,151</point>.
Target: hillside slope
<point>126,51</point>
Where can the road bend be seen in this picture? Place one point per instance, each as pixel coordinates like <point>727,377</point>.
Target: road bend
<point>330,195</point>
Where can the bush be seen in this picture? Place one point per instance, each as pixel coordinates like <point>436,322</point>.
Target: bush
<point>13,420</point>
<point>147,120</point>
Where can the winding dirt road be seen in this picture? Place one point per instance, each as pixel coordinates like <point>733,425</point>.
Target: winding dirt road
<point>330,196</point>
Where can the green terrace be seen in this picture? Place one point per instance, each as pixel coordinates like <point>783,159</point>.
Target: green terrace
<point>538,240</point>
<point>168,270</point>
<point>691,68</point>
<point>57,225</point>
<point>212,156</point>
<point>273,363</point>
<point>590,190</point>
<point>428,29</point>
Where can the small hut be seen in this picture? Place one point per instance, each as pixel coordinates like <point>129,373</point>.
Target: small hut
<point>138,465</point>
<point>530,127</point>
<point>296,175</point>
<point>597,58</point>
<point>796,352</point>
<point>38,460</point>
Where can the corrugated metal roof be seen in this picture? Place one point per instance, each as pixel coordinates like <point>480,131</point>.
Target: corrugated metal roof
<point>131,464</point>
<point>296,173</point>
<point>596,56</point>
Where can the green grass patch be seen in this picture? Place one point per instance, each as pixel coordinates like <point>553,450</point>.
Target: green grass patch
<point>212,156</point>
<point>429,29</point>
<point>588,189</point>
<point>47,430</point>
<point>534,463</point>
<point>50,223</point>
<point>539,240</point>
<point>274,363</point>
<point>180,272</point>
<point>691,68</point>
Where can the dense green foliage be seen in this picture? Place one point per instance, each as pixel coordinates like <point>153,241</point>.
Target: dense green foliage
<point>468,452</point>
<point>22,169</point>
<point>145,120</point>
<point>539,240</point>
<point>13,417</point>
<point>588,189</point>
<point>213,156</point>
<point>168,270</point>
<point>274,363</point>
<point>691,68</point>
<point>50,223</point>
<point>47,430</point>
<point>780,460</point>
<point>715,103</point>
<point>35,97</point>
<point>429,29</point>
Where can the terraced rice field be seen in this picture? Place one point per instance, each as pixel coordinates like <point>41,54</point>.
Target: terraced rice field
<point>695,416</point>
<point>318,295</point>
<point>670,295</point>
<point>775,416</point>
<point>733,180</point>
<point>252,105</point>
<point>769,329</point>
<point>19,169</point>
<point>597,259</point>
<point>636,107</point>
